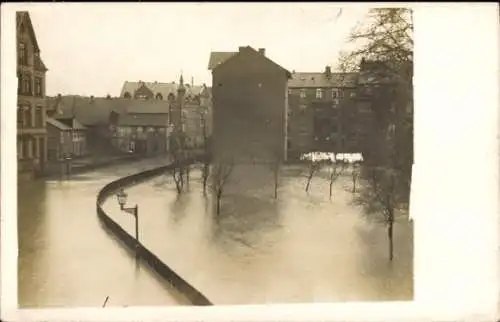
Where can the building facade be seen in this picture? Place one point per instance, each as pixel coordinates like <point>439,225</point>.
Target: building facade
<point>66,138</point>
<point>189,106</point>
<point>249,97</point>
<point>322,113</point>
<point>144,132</point>
<point>31,104</point>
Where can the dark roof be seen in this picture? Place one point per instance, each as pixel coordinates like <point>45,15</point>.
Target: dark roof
<point>250,49</point>
<point>146,106</point>
<point>58,124</point>
<point>89,111</point>
<point>300,80</point>
<point>66,123</point>
<point>218,57</point>
<point>143,119</point>
<point>95,111</point>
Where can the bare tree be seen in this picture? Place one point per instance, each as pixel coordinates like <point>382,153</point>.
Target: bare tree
<point>355,175</point>
<point>178,157</point>
<point>276,167</point>
<point>220,175</point>
<point>382,199</point>
<point>205,174</point>
<point>383,56</point>
<point>314,167</point>
<point>335,172</point>
<point>206,160</point>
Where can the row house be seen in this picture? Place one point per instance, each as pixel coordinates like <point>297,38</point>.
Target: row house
<point>189,105</point>
<point>66,138</point>
<point>322,113</point>
<point>93,114</point>
<point>31,105</point>
<point>141,133</point>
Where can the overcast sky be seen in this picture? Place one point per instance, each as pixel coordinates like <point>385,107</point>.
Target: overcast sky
<point>91,49</point>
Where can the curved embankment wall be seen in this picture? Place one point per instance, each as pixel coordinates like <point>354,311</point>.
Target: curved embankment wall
<point>154,262</point>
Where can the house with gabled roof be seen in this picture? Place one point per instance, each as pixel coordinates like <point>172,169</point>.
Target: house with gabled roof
<point>66,138</point>
<point>249,98</point>
<point>31,109</point>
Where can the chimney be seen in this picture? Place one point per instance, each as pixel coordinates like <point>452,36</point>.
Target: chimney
<point>328,72</point>
<point>192,81</point>
<point>262,51</point>
<point>91,99</point>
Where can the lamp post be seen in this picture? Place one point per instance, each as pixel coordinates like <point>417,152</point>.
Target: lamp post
<point>121,196</point>
<point>67,159</point>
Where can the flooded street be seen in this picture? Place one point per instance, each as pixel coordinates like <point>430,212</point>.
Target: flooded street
<point>66,258</point>
<point>299,248</point>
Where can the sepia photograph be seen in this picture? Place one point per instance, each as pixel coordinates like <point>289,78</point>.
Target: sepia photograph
<point>180,155</point>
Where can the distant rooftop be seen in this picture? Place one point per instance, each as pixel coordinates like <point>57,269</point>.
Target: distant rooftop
<point>218,57</point>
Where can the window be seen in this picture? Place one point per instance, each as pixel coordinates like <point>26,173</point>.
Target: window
<point>126,95</point>
<point>336,93</point>
<point>22,54</point>
<point>19,83</point>
<point>289,91</point>
<point>61,137</point>
<point>319,93</point>
<point>38,86</point>
<point>27,117</point>
<point>27,85</point>
<point>20,117</point>
<point>159,96</point>
<point>335,103</point>
<point>302,93</point>
<point>38,116</point>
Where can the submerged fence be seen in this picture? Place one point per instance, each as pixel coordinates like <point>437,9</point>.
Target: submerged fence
<point>193,295</point>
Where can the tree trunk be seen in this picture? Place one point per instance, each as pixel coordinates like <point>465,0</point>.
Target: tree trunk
<point>390,229</point>
<point>354,179</point>
<point>205,176</point>
<point>275,186</point>
<point>331,186</point>
<point>219,195</point>
<point>308,182</point>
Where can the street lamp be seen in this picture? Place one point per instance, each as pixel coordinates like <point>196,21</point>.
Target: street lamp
<point>67,159</point>
<point>121,196</point>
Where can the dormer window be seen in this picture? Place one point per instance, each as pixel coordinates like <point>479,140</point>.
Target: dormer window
<point>159,96</point>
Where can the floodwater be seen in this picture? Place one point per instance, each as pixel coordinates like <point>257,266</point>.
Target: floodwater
<point>67,259</point>
<point>302,247</point>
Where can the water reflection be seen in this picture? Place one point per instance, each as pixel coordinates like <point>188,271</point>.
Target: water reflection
<point>299,248</point>
<point>66,258</point>
<point>246,220</point>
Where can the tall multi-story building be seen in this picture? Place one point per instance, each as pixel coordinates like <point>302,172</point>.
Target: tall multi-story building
<point>321,112</point>
<point>249,93</point>
<point>31,104</point>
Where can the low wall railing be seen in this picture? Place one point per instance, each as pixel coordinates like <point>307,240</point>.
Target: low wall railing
<point>193,295</point>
